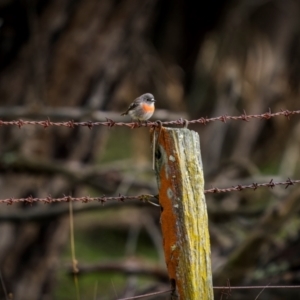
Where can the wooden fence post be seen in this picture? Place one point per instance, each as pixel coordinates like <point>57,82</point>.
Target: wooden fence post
<point>184,222</point>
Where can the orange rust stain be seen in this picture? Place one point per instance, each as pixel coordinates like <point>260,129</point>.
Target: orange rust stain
<point>168,218</point>
<point>168,226</point>
<point>147,107</point>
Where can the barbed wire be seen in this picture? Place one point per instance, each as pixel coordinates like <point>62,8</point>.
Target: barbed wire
<point>253,186</point>
<point>145,197</point>
<point>85,199</point>
<point>182,122</point>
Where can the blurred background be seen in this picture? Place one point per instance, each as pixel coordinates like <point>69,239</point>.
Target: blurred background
<point>78,60</point>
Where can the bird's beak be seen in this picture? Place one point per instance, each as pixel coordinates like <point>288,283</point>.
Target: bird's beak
<point>153,100</point>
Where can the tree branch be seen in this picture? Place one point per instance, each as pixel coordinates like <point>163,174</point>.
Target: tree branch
<point>92,177</point>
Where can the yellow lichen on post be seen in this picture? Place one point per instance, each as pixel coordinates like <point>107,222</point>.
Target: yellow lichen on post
<point>184,219</point>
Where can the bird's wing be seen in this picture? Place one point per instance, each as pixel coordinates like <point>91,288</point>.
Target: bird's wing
<point>131,106</point>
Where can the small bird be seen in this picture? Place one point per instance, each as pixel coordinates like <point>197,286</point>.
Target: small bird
<point>142,108</point>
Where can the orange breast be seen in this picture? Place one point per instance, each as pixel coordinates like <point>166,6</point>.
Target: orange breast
<point>147,107</point>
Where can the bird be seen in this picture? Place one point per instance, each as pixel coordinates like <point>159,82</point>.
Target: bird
<point>142,108</point>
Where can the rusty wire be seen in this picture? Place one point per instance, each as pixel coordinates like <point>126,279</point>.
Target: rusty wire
<point>85,199</point>
<point>182,122</point>
<point>252,186</point>
<point>145,197</point>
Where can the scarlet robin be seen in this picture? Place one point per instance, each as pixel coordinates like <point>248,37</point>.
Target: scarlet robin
<point>142,108</point>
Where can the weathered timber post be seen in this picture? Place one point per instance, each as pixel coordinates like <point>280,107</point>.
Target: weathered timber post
<point>184,222</point>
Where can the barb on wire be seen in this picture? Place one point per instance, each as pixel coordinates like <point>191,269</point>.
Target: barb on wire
<point>181,122</point>
<point>227,291</point>
<point>146,197</point>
